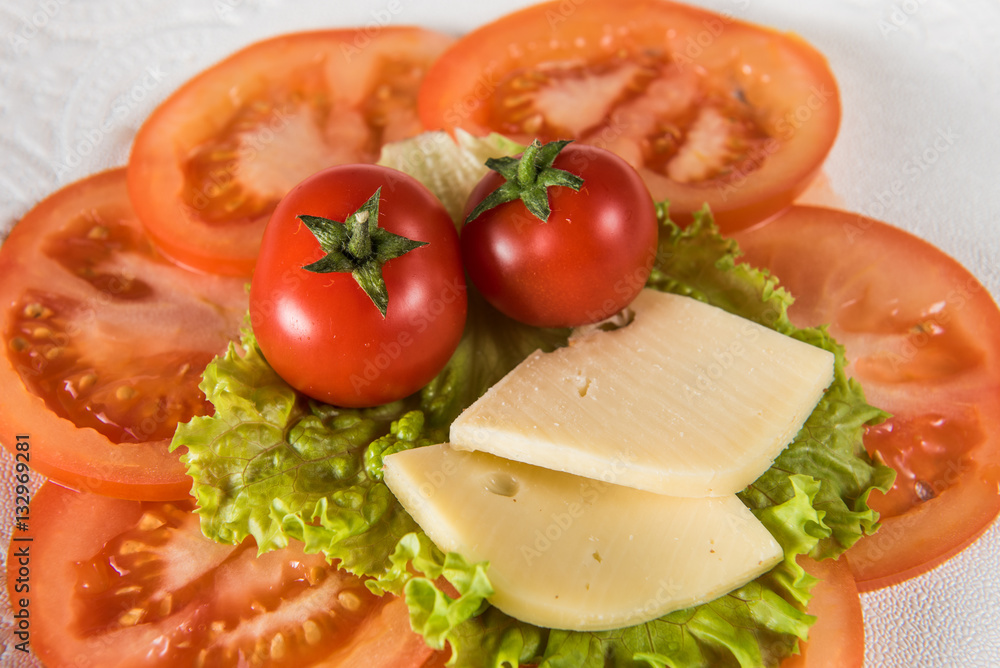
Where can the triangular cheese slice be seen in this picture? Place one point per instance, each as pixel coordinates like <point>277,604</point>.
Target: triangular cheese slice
<point>686,400</point>
<point>573,553</point>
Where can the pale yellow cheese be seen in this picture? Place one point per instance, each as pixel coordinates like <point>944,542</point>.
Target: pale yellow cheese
<point>686,400</point>
<point>573,553</point>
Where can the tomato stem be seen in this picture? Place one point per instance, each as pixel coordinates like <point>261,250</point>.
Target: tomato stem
<point>527,170</point>
<point>360,247</point>
<point>528,179</point>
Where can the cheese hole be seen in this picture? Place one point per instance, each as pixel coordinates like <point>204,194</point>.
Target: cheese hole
<point>502,484</point>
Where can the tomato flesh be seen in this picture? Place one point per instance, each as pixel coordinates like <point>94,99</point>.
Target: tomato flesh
<point>106,342</point>
<point>837,638</point>
<point>706,108</point>
<point>920,335</point>
<point>213,160</point>
<point>128,583</point>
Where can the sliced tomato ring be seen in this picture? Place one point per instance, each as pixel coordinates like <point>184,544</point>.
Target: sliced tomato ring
<point>920,335</point>
<point>211,162</point>
<point>707,108</point>
<point>131,584</point>
<point>837,638</point>
<point>105,342</point>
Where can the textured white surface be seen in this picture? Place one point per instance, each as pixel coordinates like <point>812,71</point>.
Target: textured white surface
<point>921,99</point>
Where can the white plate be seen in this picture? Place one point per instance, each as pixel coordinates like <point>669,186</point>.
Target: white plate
<point>918,147</point>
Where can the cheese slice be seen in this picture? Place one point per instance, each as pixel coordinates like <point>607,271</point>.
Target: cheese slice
<point>686,400</point>
<point>567,552</point>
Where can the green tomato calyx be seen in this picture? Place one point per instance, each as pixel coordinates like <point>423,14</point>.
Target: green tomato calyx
<point>528,179</point>
<point>360,247</point>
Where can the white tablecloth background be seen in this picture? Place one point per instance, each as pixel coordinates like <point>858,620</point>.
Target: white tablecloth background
<point>78,77</point>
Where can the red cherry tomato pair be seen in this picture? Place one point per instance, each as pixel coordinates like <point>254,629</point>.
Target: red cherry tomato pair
<point>359,297</point>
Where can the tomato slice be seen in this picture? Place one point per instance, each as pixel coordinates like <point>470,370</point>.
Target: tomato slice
<point>129,583</point>
<point>105,343</point>
<point>837,638</point>
<point>707,108</point>
<point>211,162</point>
<point>921,336</point>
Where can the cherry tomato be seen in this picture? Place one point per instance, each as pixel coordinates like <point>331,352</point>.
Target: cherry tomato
<point>105,343</point>
<point>132,584</point>
<point>212,161</point>
<point>705,107</point>
<point>586,262</point>
<point>921,336</point>
<point>837,638</point>
<point>321,332</point>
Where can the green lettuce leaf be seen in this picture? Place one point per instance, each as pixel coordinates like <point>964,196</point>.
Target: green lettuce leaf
<point>276,466</point>
<point>700,263</point>
<point>755,625</point>
<point>813,500</point>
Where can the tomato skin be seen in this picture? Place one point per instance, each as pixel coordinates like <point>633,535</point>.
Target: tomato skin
<point>586,263</point>
<point>105,343</point>
<point>321,332</point>
<point>213,159</point>
<point>638,77</point>
<point>920,335</point>
<point>96,561</point>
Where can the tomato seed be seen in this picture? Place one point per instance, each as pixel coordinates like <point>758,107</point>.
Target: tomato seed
<point>86,382</point>
<point>259,652</point>
<point>349,600</point>
<point>124,393</point>
<point>533,124</point>
<point>278,646</point>
<point>37,311</point>
<point>132,547</point>
<point>132,617</point>
<point>98,233</point>
<point>313,634</point>
<point>315,575</point>
<point>19,345</point>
